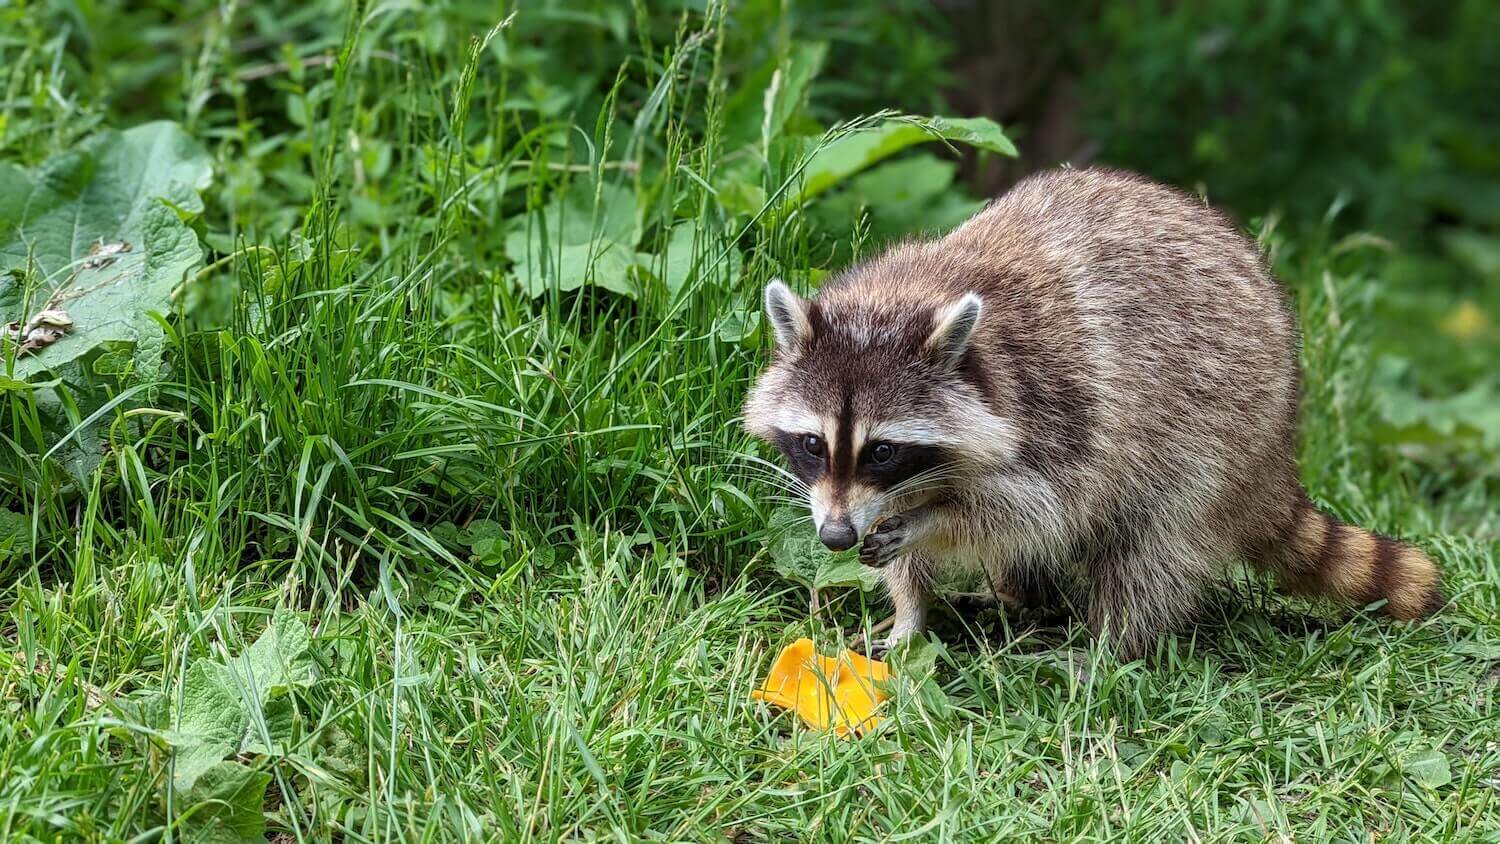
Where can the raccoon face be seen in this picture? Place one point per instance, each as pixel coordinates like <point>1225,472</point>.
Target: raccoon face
<point>873,407</point>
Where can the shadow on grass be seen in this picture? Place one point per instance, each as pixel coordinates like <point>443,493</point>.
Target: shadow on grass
<point>1235,628</point>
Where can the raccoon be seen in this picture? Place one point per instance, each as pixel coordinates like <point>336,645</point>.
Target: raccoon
<point>1091,387</point>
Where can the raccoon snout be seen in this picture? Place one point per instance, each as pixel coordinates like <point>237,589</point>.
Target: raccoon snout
<point>838,534</point>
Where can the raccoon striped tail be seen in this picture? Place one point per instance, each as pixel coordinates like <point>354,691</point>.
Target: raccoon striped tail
<point>1326,557</point>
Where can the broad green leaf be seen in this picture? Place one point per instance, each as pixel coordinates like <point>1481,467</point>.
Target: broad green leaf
<point>1470,418</point>
<point>679,262</point>
<point>910,181</point>
<point>211,722</point>
<point>96,231</point>
<point>281,657</point>
<point>846,570</point>
<point>1429,768</point>
<point>81,454</point>
<point>15,533</point>
<point>448,534</point>
<point>14,385</point>
<point>487,539</point>
<point>739,190</point>
<point>574,225</point>
<point>679,257</point>
<point>916,657</point>
<point>607,265</point>
<point>914,673</point>
<point>481,529</point>
<point>575,240</point>
<point>217,698</point>
<point>341,756</point>
<point>796,552</point>
<point>798,555</point>
<point>738,325</point>
<point>897,198</point>
<point>277,719</point>
<point>763,102</point>
<point>225,805</point>
<point>835,162</point>
<point>1132,756</point>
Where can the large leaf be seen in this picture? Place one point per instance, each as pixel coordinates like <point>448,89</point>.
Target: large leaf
<point>1429,767</point>
<point>575,240</point>
<point>907,183</point>
<point>218,699</point>
<point>226,805</point>
<point>913,665</point>
<point>836,161</point>
<point>607,265</point>
<point>212,721</point>
<point>797,555</point>
<point>96,232</point>
<point>905,196</point>
<point>678,261</point>
<point>1466,420</point>
<point>761,106</point>
<point>15,532</point>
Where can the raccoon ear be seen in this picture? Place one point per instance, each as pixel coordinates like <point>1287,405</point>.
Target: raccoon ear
<point>788,315</point>
<point>952,327</point>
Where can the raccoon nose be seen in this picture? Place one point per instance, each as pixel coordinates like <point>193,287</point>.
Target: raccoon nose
<point>837,534</point>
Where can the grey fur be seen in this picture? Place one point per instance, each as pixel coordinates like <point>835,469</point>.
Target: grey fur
<point>1121,422</point>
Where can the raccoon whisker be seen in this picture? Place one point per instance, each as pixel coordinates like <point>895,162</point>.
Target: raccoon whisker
<point>939,469</point>
<point>781,485</point>
<point>917,480</point>
<point>771,471</point>
<point>796,522</point>
<point>751,460</point>
<point>785,499</point>
<point>746,460</point>
<point>738,455</point>
<point>763,472</point>
<point>930,480</point>
<point>794,497</point>
<point>925,480</point>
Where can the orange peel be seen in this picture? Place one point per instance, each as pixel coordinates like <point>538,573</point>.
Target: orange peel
<point>839,692</point>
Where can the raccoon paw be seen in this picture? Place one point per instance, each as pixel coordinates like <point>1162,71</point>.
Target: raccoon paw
<point>880,647</point>
<point>884,543</point>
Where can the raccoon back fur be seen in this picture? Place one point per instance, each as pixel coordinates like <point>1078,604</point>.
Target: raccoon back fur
<point>1092,384</point>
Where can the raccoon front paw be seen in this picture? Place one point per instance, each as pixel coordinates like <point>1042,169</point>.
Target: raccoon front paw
<point>884,543</point>
<point>880,647</point>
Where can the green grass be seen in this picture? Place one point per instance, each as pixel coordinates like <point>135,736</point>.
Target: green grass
<point>532,563</point>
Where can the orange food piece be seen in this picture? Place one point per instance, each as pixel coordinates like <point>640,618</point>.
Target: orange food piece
<point>838,692</point>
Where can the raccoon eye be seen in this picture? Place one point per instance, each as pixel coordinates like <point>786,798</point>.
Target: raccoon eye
<point>813,444</point>
<point>882,452</point>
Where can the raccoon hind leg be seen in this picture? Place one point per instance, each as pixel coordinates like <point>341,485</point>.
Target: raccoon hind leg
<point>1144,588</point>
<point>1023,586</point>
